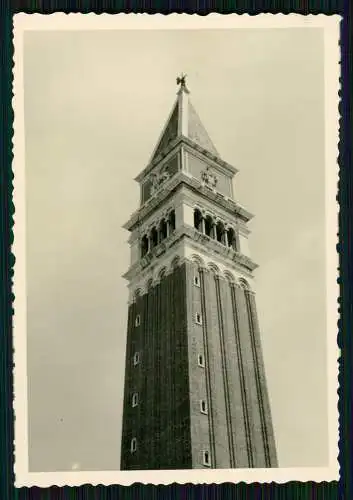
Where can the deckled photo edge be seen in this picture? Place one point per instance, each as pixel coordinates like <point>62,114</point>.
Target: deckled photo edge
<point>25,478</point>
<point>61,21</point>
<point>19,251</point>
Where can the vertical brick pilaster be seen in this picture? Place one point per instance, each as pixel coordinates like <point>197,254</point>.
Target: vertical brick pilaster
<point>157,409</point>
<point>161,421</point>
<point>132,417</point>
<point>163,376</point>
<point>181,372</point>
<point>168,352</point>
<point>235,379</point>
<point>223,363</point>
<point>208,354</point>
<point>243,382</point>
<point>220,455</point>
<point>265,411</point>
<point>138,378</point>
<point>173,353</point>
<point>148,369</point>
<point>126,430</point>
<point>256,456</point>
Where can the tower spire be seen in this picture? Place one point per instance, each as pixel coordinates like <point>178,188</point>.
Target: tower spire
<point>183,106</point>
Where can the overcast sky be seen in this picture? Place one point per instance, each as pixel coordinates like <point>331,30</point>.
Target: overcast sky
<point>95,104</point>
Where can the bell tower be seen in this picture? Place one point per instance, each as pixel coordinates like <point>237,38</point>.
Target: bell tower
<point>195,392</point>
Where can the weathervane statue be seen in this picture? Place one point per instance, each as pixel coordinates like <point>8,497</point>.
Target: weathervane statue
<point>181,80</point>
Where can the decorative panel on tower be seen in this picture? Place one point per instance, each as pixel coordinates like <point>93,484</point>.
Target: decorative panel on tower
<point>163,171</point>
<point>195,393</point>
<point>200,169</point>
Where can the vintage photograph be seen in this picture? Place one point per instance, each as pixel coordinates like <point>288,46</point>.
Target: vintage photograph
<point>175,314</point>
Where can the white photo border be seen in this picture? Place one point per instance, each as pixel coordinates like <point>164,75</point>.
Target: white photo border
<point>60,21</point>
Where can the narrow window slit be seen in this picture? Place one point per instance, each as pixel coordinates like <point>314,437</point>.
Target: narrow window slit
<point>198,318</point>
<point>203,407</point>
<point>206,459</point>
<point>136,358</point>
<point>135,399</point>
<point>133,445</point>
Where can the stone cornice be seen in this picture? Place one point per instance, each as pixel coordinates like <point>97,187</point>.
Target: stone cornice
<point>143,286</point>
<point>212,210</point>
<point>200,241</point>
<point>243,229</point>
<point>182,178</point>
<point>219,249</point>
<point>192,146</point>
<point>215,160</point>
<point>151,258</point>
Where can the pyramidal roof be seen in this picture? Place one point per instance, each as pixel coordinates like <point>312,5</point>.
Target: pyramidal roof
<point>183,121</point>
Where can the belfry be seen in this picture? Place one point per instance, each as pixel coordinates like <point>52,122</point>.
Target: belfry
<point>195,392</point>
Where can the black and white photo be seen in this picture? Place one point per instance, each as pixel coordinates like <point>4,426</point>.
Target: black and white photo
<point>175,313</point>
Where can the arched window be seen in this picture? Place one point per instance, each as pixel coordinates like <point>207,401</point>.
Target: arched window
<point>144,246</point>
<point>198,219</point>
<point>231,238</point>
<point>163,230</point>
<point>209,226</point>
<point>220,232</point>
<point>171,220</point>
<point>154,237</point>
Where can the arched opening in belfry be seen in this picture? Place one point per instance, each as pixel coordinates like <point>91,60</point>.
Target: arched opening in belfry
<point>171,221</point>
<point>209,226</point>
<point>198,219</point>
<point>244,284</point>
<point>175,262</point>
<point>198,261</point>
<point>213,268</point>
<point>229,276</point>
<point>163,230</point>
<point>154,237</point>
<point>162,273</point>
<point>220,232</point>
<point>144,245</point>
<point>231,238</point>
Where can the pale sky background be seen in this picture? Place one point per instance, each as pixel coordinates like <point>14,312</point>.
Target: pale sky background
<point>95,104</point>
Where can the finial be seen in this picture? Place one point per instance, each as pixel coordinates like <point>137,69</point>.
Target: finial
<point>181,80</point>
